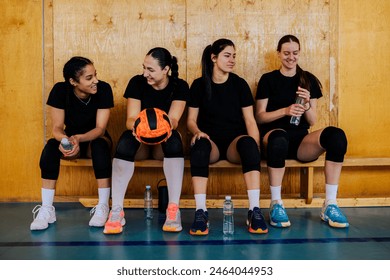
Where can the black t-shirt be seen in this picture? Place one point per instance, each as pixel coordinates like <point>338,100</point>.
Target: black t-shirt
<point>281,92</point>
<point>138,88</point>
<point>222,113</point>
<point>79,117</point>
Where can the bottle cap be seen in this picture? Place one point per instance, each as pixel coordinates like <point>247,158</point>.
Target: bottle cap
<point>228,197</point>
<point>64,141</point>
<point>148,187</point>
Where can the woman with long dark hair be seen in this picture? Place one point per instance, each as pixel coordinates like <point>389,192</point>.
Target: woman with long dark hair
<point>220,117</point>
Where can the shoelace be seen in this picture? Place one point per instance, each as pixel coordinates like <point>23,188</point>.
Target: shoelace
<point>99,209</point>
<point>172,212</point>
<point>257,215</point>
<point>200,217</point>
<point>39,212</point>
<point>116,214</point>
<point>335,211</point>
<point>279,210</point>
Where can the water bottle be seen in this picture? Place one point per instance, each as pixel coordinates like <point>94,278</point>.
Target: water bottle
<point>148,203</point>
<point>66,144</point>
<point>228,221</point>
<point>295,120</point>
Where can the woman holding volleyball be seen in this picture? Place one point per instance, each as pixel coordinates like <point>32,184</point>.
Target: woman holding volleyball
<point>220,117</point>
<point>155,88</point>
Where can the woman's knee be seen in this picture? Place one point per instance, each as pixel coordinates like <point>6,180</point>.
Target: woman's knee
<point>334,141</point>
<point>277,148</point>
<point>173,147</point>
<point>127,146</point>
<point>249,153</point>
<point>200,157</point>
<point>50,160</point>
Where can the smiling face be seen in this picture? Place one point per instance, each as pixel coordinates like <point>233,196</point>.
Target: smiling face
<point>225,60</point>
<point>87,81</point>
<point>156,76</point>
<point>289,56</point>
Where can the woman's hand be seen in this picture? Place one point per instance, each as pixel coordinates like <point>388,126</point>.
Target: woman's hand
<point>298,110</point>
<point>295,110</point>
<point>74,152</point>
<point>197,136</point>
<point>304,94</point>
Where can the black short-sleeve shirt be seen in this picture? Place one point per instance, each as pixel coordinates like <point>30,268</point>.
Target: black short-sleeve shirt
<point>222,112</point>
<point>79,117</point>
<point>281,92</point>
<point>138,88</point>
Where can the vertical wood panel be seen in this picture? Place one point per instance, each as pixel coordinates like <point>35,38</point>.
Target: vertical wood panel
<point>21,118</point>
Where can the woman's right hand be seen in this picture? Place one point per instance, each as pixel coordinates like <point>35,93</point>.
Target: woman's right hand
<point>295,110</point>
<point>197,136</point>
<point>74,152</point>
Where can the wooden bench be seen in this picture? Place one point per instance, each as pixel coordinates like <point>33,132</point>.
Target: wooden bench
<point>306,181</point>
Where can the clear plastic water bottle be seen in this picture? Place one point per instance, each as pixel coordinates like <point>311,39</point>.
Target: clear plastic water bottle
<point>228,221</point>
<point>148,203</point>
<point>296,120</point>
<point>66,144</point>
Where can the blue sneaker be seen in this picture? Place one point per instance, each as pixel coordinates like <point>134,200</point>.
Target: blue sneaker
<point>277,215</point>
<point>200,225</point>
<point>256,222</point>
<point>332,214</point>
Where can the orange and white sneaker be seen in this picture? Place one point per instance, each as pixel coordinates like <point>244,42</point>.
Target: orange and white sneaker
<point>116,221</point>
<point>173,220</point>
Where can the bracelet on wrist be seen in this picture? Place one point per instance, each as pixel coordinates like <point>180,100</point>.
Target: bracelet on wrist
<point>308,108</point>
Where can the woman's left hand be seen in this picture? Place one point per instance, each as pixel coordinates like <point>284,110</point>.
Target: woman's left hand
<point>304,93</point>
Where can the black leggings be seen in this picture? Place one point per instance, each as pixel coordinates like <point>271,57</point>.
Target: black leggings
<point>100,154</point>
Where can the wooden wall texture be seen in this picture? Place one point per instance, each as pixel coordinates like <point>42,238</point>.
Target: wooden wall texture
<point>343,45</point>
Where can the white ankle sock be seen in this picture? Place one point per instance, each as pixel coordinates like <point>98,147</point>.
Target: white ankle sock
<point>200,201</point>
<point>104,195</point>
<point>254,197</point>
<point>47,197</point>
<point>331,193</point>
<point>276,193</point>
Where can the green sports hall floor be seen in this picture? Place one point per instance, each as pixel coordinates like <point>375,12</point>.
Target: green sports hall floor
<point>70,238</point>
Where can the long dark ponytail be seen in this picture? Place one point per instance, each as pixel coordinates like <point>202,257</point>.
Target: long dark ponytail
<point>207,64</point>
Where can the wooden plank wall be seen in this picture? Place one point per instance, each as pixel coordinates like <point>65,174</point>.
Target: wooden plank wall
<point>343,42</point>
<point>117,34</point>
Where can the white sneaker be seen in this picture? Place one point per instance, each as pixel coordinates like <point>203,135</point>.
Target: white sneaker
<point>43,216</point>
<point>100,215</point>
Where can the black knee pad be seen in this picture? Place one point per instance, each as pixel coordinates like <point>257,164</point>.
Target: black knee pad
<point>50,160</point>
<point>101,158</point>
<point>127,146</point>
<point>249,154</point>
<point>334,141</point>
<point>277,148</point>
<point>173,147</point>
<point>200,158</point>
